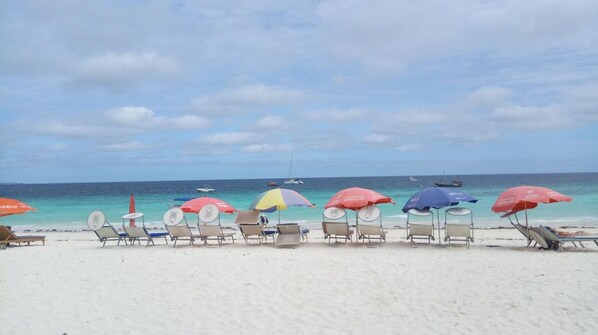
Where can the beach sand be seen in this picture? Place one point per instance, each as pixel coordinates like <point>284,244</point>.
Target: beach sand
<point>72,285</point>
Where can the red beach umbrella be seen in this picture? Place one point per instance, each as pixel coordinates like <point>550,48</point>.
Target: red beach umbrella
<point>132,209</point>
<point>13,206</point>
<point>355,198</point>
<point>195,205</point>
<point>521,198</point>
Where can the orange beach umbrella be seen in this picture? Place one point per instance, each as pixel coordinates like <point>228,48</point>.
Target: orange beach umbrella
<point>13,206</point>
<point>132,210</point>
<point>355,198</point>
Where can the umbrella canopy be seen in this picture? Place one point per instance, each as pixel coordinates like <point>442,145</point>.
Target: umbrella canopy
<point>436,197</point>
<point>195,205</point>
<point>520,198</point>
<point>355,198</point>
<point>13,206</point>
<point>132,209</point>
<point>278,199</point>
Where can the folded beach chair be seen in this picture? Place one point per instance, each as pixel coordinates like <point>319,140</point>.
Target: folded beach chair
<point>177,227</point>
<point>371,228</point>
<point>419,229</point>
<point>461,232</point>
<point>556,242</point>
<point>290,234</point>
<point>333,225</point>
<point>7,236</point>
<point>247,221</point>
<point>525,232</point>
<point>141,233</point>
<point>208,214</point>
<point>536,236</point>
<point>105,232</point>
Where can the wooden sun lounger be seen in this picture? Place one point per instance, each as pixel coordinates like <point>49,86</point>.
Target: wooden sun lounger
<point>7,236</point>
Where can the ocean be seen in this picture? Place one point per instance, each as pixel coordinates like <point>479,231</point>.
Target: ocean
<point>66,206</point>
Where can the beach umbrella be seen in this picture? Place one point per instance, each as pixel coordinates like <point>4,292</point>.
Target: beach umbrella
<point>195,205</point>
<point>437,197</point>
<point>132,209</point>
<point>522,198</point>
<point>12,206</point>
<point>279,199</point>
<point>355,198</point>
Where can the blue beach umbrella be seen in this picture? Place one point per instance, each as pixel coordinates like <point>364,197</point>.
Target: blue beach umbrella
<point>437,197</point>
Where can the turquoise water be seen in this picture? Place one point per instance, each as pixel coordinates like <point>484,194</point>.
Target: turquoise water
<point>66,206</point>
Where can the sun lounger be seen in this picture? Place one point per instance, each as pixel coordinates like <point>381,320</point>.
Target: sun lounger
<point>7,236</point>
<point>369,230</point>
<point>247,221</point>
<point>536,236</point>
<point>420,230</point>
<point>337,230</point>
<point>141,233</point>
<point>461,232</point>
<point>290,234</point>
<point>556,242</point>
<point>96,221</point>
<point>525,232</point>
<point>214,232</point>
<point>177,227</point>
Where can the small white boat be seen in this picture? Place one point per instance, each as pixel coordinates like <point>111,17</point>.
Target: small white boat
<point>205,189</point>
<point>295,181</point>
<point>411,179</point>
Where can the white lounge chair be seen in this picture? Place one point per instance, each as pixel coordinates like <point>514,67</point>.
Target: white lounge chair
<point>141,233</point>
<point>248,223</point>
<point>208,214</point>
<point>525,232</point>
<point>335,225</point>
<point>462,232</point>
<point>96,221</point>
<point>369,224</point>
<point>177,226</point>
<point>419,229</point>
<point>290,234</point>
<point>556,242</point>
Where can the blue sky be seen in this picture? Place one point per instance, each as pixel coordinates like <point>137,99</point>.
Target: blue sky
<point>176,90</point>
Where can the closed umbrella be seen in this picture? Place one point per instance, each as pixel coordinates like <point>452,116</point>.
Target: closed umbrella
<point>437,197</point>
<point>132,209</point>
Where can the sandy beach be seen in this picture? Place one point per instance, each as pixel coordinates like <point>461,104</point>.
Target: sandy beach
<point>72,285</point>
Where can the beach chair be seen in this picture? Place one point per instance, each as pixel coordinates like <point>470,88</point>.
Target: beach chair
<point>212,232</point>
<point>525,232</point>
<point>7,237</point>
<point>556,242</point>
<point>250,228</point>
<point>536,236</point>
<point>290,234</point>
<point>459,232</point>
<point>372,228</point>
<point>418,229</point>
<point>96,221</point>
<point>177,227</point>
<point>141,233</point>
<point>335,225</point>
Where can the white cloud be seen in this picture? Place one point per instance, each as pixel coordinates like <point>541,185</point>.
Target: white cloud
<point>487,96</point>
<point>124,69</point>
<point>231,138</point>
<point>144,118</point>
<point>124,146</point>
<point>531,117</point>
<point>336,115</point>
<point>266,148</point>
<point>241,99</point>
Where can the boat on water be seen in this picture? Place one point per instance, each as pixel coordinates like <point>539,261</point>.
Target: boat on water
<point>412,179</point>
<point>454,183</point>
<point>205,189</point>
<point>272,184</point>
<point>292,181</point>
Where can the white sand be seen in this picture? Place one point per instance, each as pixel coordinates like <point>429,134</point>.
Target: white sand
<point>74,286</point>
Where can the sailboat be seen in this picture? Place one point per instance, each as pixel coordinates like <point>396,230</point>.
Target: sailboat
<point>294,181</point>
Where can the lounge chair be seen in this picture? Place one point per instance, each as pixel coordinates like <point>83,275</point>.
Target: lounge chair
<point>525,232</point>
<point>461,232</point>
<point>177,227</point>
<point>290,234</point>
<point>207,214</point>
<point>420,230</point>
<point>247,221</point>
<point>370,229</point>
<point>556,242</point>
<point>141,233</point>
<point>105,232</point>
<point>7,236</point>
<point>536,236</point>
<point>333,225</point>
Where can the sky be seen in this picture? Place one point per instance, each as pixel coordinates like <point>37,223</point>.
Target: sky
<point>201,90</point>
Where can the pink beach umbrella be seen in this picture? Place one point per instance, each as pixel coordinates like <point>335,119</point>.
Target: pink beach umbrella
<point>355,198</point>
<point>195,205</point>
<point>132,209</point>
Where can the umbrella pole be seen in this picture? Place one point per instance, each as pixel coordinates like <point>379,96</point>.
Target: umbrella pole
<point>438,219</point>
